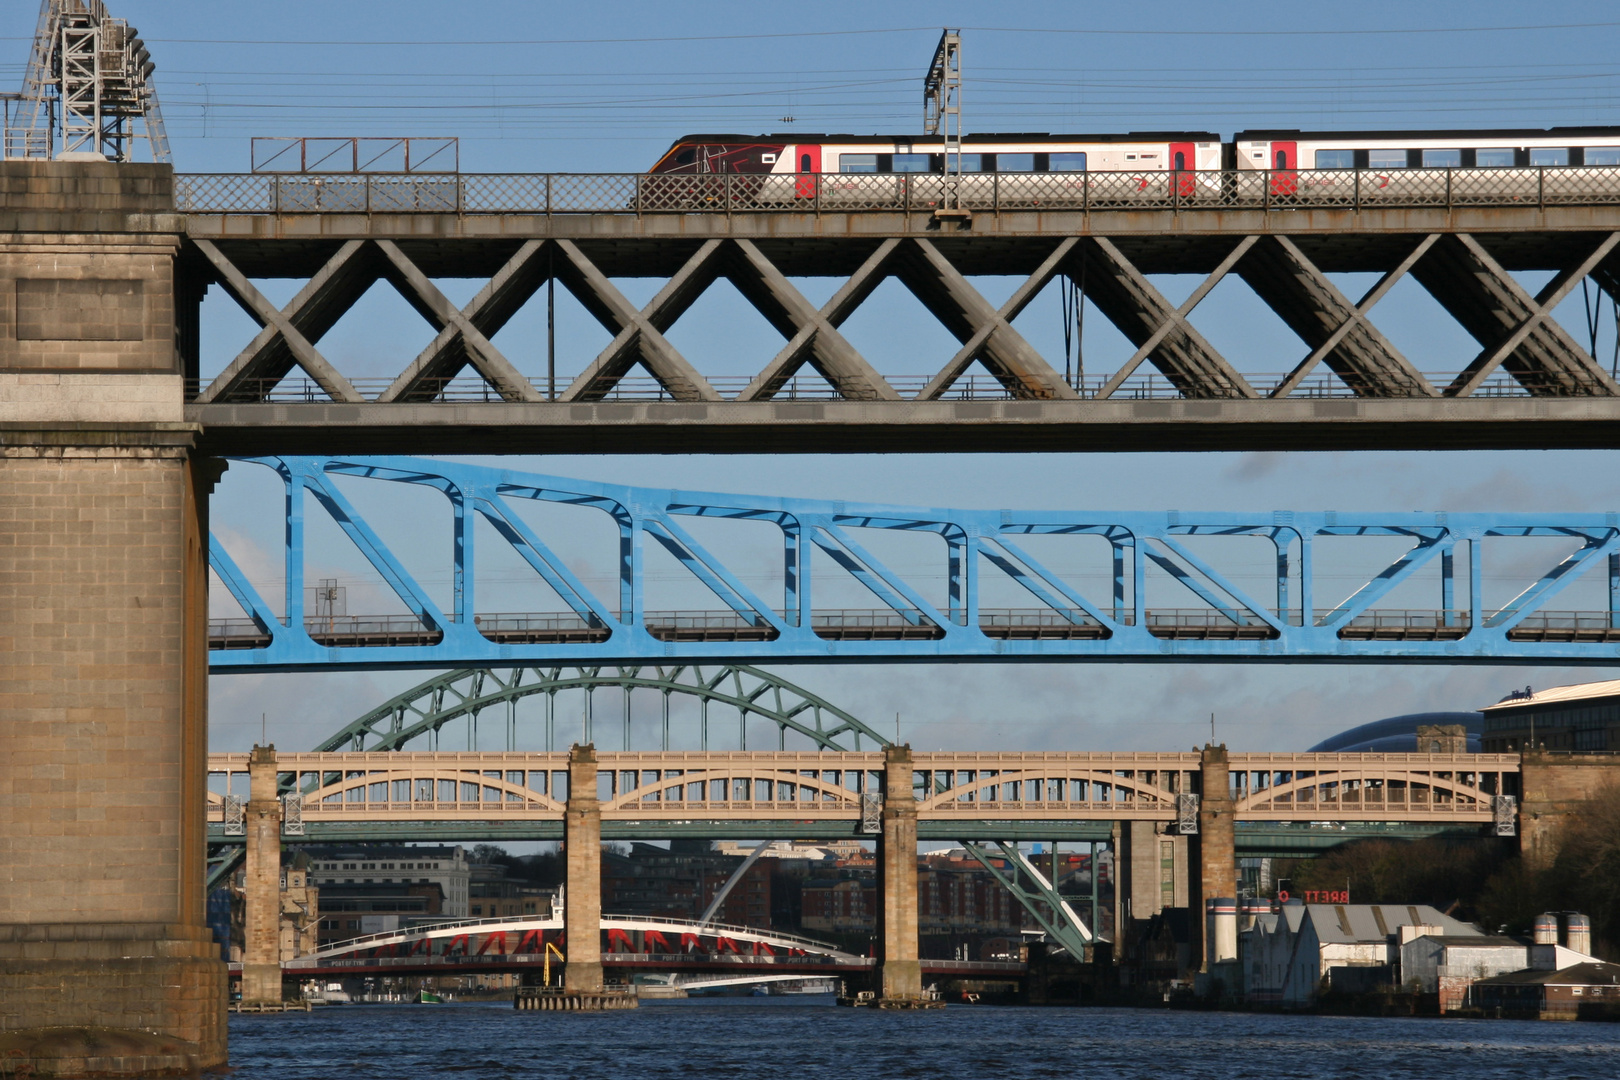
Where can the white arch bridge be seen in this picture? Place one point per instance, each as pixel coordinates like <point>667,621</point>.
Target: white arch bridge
<point>681,952</point>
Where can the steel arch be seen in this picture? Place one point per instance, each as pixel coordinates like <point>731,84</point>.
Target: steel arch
<point>465,692</point>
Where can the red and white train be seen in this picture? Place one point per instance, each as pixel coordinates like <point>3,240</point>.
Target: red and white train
<point>1014,169</point>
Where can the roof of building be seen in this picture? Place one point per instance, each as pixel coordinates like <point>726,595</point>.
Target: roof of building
<point>1345,924</point>
<point>1593,974</point>
<point>1475,941</point>
<point>1398,733</point>
<point>1558,695</point>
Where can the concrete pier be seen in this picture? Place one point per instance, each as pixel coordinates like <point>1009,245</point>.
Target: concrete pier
<point>899,969</point>
<point>261,949</point>
<point>1217,840</point>
<point>582,857</point>
<point>106,964</point>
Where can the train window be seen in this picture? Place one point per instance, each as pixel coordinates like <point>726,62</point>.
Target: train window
<point>1386,159</point>
<point>1335,159</point>
<point>1015,163</point>
<point>1442,159</point>
<point>973,163</point>
<point>1075,162</point>
<point>686,156</point>
<point>1549,155</point>
<point>911,163</point>
<point>1603,155</point>
<point>857,162</point>
<point>1497,157</point>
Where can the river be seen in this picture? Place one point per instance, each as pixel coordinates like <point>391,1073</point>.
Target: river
<point>807,1038</point>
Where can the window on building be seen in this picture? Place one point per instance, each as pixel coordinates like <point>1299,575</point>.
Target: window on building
<point>1386,159</point>
<point>1496,157</point>
<point>858,163</point>
<point>1551,156</point>
<point>1442,159</point>
<point>1335,159</point>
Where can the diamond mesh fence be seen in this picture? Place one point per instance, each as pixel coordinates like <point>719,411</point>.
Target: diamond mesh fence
<point>699,193</point>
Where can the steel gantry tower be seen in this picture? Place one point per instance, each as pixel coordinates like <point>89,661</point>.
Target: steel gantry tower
<point>88,89</point>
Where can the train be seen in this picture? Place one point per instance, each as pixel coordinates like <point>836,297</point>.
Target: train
<point>1039,169</point>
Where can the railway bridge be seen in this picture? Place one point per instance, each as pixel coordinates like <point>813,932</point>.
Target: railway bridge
<point>112,422</point>
<point>894,797</point>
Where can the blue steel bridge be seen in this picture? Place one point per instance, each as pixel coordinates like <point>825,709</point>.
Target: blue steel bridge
<point>1167,594</point>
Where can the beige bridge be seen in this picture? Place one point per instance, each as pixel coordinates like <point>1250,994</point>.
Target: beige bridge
<point>828,786</point>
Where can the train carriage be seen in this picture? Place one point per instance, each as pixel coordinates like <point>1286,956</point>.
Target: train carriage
<point>1010,171</point>
<point>1407,168</point>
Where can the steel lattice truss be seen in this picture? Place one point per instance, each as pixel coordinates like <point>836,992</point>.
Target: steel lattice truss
<point>420,712</point>
<point>1217,614</point>
<point>1523,350</point>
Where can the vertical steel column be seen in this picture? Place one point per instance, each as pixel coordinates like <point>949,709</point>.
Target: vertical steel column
<point>1448,587</point>
<point>295,553</point>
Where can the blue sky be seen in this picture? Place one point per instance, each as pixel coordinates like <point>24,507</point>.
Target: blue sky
<point>605,87</point>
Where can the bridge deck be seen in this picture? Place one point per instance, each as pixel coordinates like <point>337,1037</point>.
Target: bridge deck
<point>1533,384</point>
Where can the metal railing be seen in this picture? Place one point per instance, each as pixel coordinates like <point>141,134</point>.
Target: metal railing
<point>1144,387</point>
<point>727,193</point>
<point>1396,624</point>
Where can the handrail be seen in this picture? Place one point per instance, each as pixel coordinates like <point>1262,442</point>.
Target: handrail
<point>1138,387</point>
<point>641,194</point>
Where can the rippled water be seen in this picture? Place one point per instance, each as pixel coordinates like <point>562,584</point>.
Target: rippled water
<point>781,1037</point>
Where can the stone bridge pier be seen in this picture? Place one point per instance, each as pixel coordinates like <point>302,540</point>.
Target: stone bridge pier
<point>103,627</point>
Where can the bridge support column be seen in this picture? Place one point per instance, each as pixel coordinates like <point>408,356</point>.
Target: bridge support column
<point>106,961</point>
<point>899,966</point>
<point>261,921</point>
<point>582,855</point>
<point>1217,844</point>
<point>1553,790</point>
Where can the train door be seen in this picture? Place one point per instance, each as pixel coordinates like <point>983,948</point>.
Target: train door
<point>1284,168</point>
<point>1182,163</point>
<point>809,165</point>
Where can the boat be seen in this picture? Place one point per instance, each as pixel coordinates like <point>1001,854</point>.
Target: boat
<point>428,997</point>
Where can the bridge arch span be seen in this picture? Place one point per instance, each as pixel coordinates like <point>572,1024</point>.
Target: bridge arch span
<point>463,694</point>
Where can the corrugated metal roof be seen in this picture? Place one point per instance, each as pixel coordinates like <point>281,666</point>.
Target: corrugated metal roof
<point>1347,924</point>
<point>1577,692</point>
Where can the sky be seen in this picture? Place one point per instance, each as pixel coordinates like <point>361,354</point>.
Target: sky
<point>605,87</point>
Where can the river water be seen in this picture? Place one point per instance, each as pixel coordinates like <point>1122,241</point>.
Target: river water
<point>761,1038</point>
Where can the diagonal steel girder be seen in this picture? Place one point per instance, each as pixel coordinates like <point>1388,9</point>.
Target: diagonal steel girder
<point>638,332</point>
<point>287,336</point>
<point>985,332</point>
<point>805,342</point>
<point>455,347</point>
<point>1514,328</point>
<point>1159,330</point>
<point>1337,331</point>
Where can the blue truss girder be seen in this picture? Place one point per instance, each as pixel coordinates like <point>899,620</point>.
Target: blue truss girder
<point>1077,620</point>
